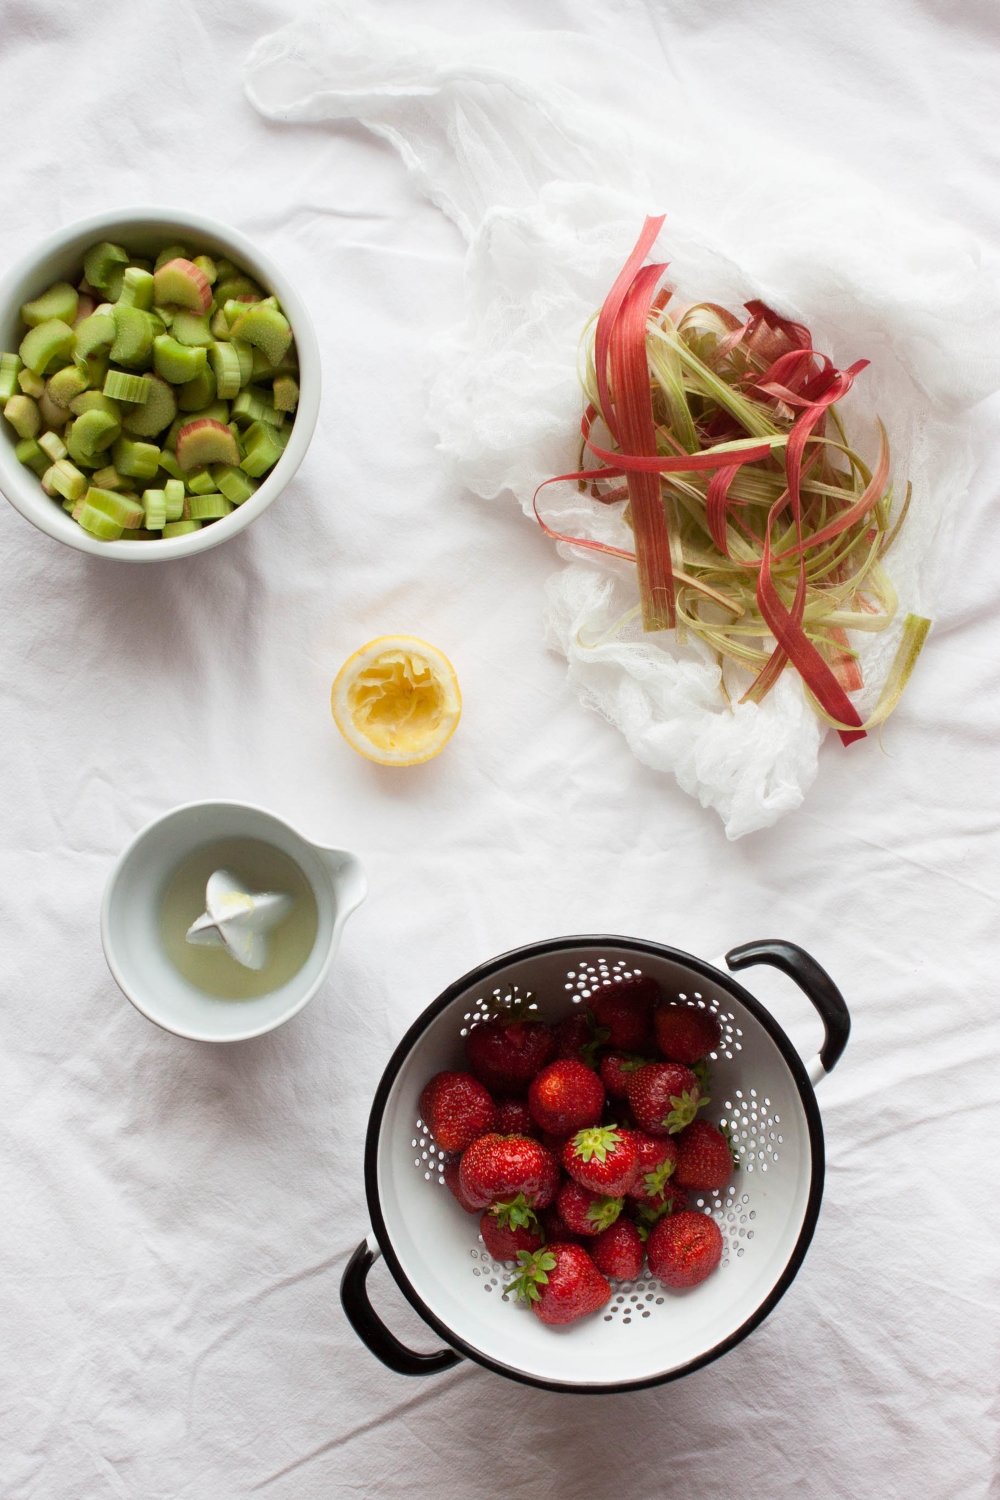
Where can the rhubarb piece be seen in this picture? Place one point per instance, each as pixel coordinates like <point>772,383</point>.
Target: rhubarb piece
<point>173,496</point>
<point>133,336</point>
<point>47,342</point>
<point>121,387</point>
<point>97,523</point>
<point>180,528</point>
<point>169,253</point>
<point>154,505</point>
<point>237,288</point>
<point>266,327</point>
<point>107,479</point>
<point>116,280</point>
<point>196,394</point>
<point>181,283</point>
<point>263,449</point>
<point>10,369</point>
<point>53,445</point>
<point>204,441</point>
<point>233,483</point>
<point>286,393</point>
<point>95,333</point>
<point>65,478</point>
<point>208,507</point>
<point>134,459</point>
<point>53,416</point>
<point>156,412</point>
<point>264,370</point>
<point>100,261</point>
<point>29,453</point>
<point>137,289</point>
<point>253,406</point>
<point>95,401</point>
<point>22,414</point>
<point>226,367</point>
<point>60,301</point>
<point>218,325</point>
<point>89,435</point>
<point>65,385</point>
<point>140,534</point>
<point>169,464</point>
<point>125,509</point>
<point>31,384</point>
<point>206,265</point>
<point>200,482</point>
<point>175,361</point>
<point>245,352</point>
<point>191,328</point>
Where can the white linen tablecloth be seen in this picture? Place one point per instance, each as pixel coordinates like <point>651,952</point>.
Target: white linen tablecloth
<point>176,1216</point>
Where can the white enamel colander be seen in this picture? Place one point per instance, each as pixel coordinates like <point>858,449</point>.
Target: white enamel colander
<point>761,1091</point>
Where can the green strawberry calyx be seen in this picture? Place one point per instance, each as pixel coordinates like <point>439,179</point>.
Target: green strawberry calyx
<point>511,1007</point>
<point>594,1143</point>
<point>517,1213</point>
<point>633,1064</point>
<point>650,1214</point>
<point>604,1211</point>
<point>725,1130</point>
<point>598,1036</point>
<point>535,1267</point>
<point>684,1110</point>
<point>700,1071</point>
<point>654,1182</point>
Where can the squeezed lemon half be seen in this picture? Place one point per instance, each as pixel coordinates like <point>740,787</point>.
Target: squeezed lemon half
<point>397,700</point>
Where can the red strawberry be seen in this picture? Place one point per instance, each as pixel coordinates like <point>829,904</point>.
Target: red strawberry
<point>619,1252</point>
<point>657,1160</point>
<point>456,1110</point>
<point>507,1228</point>
<point>616,1068</point>
<point>505,1054</point>
<point>578,1037</point>
<point>684,1248</point>
<point>685,1033</point>
<point>554,1143</point>
<point>498,1167</point>
<point>625,1007</point>
<point>514,1118</point>
<point>603,1159</point>
<point>451,1177</point>
<point>565,1097</point>
<point>664,1097</point>
<point>704,1159</point>
<point>560,1283</point>
<point>554,1226</point>
<point>586,1212</point>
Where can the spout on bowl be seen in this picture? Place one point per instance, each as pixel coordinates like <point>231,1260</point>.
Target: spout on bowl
<point>347,874</point>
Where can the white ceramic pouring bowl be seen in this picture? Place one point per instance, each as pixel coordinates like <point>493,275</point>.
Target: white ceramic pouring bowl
<point>130,920</point>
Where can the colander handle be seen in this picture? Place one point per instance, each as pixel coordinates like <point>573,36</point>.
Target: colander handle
<point>815,983</point>
<point>369,1326</point>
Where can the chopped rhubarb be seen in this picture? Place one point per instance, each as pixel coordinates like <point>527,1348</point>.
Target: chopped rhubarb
<point>205,441</point>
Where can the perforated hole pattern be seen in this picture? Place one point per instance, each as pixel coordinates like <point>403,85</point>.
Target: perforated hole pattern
<point>753,1131</point>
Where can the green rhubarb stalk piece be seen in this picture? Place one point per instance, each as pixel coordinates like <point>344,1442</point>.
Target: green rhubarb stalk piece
<point>180,283</point>
<point>237,288</point>
<point>120,386</point>
<point>95,401</point>
<point>59,301</point>
<point>108,479</point>
<point>206,265</point>
<point>233,483</point>
<point>65,478</point>
<point>137,289</point>
<point>204,441</point>
<point>99,262</point>
<point>253,406</point>
<point>157,411</point>
<point>169,464</point>
<point>49,341</point>
<point>191,328</point>
<point>154,504</point>
<point>92,334</point>
<point>28,452</point>
<point>66,384</point>
<point>116,280</point>
<point>168,253</point>
<point>199,392</point>
<point>246,353</point>
<point>208,507</point>
<point>126,509</point>
<point>173,496</point>
<point>175,361</point>
<point>180,528</point>
<point>89,435</point>
<point>96,523</point>
<point>31,384</point>
<point>53,416</point>
<point>226,367</point>
<point>287,365</point>
<point>266,327</point>
<point>135,459</point>
<point>53,445</point>
<point>263,449</point>
<point>10,369</point>
<point>218,325</point>
<point>199,483</point>
<point>286,393</point>
<point>23,415</point>
<point>133,335</point>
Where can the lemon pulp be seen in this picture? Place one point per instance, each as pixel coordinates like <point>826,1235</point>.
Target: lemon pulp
<point>397,700</point>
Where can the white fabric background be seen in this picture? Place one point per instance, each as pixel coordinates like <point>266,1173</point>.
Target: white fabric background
<point>176,1217</point>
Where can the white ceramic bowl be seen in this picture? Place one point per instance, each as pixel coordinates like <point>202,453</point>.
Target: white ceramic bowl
<point>133,897</point>
<point>147,230</point>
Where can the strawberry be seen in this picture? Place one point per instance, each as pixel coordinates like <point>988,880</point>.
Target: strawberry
<point>685,1033</point>
<point>565,1097</point>
<point>657,1159</point>
<point>625,1007</point>
<point>618,1252</point>
<point>560,1283</point>
<point>603,1159</point>
<point>451,1177</point>
<point>498,1167</point>
<point>664,1097</point>
<point>506,1053</point>
<point>456,1109</point>
<point>704,1158</point>
<point>672,1200</point>
<point>684,1248</point>
<point>586,1212</point>
<point>554,1226</point>
<point>578,1036</point>
<point>514,1118</point>
<point>616,1068</point>
<point>554,1143</point>
<point>507,1228</point>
